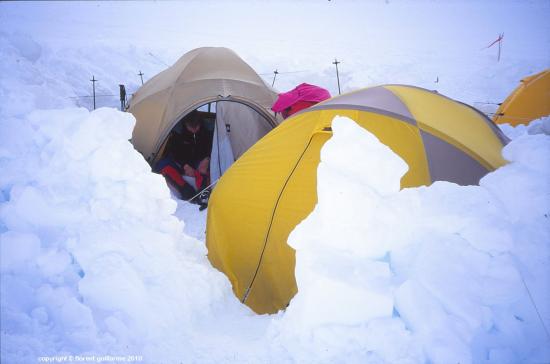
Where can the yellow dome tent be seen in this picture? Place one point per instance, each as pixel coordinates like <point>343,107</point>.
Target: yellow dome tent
<point>529,101</point>
<point>272,187</point>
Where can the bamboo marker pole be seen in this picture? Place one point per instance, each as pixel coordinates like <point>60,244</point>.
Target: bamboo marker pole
<point>336,62</point>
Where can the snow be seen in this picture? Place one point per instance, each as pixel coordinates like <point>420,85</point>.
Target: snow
<point>443,266</point>
<point>93,259</point>
<point>98,260</point>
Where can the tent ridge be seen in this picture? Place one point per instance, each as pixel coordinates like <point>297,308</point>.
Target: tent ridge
<point>502,137</point>
<point>360,108</point>
<point>208,50</point>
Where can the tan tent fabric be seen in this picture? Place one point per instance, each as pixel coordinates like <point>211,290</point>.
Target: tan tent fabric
<point>232,117</point>
<point>529,101</point>
<point>238,127</point>
<point>200,76</point>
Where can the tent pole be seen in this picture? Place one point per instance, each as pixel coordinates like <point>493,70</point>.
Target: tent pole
<point>275,73</point>
<point>93,80</point>
<point>337,75</point>
<point>501,36</point>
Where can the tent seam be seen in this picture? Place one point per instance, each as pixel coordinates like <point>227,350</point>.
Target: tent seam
<point>374,110</point>
<point>249,288</point>
<point>453,142</point>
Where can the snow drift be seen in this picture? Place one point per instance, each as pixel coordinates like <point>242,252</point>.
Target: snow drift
<point>94,262</point>
<point>440,274</point>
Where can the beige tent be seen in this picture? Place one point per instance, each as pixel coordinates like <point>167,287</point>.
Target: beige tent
<point>202,76</point>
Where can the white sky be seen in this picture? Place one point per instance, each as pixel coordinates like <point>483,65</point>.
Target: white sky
<point>382,41</point>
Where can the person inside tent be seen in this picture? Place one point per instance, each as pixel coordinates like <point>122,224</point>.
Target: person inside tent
<point>299,98</point>
<point>186,162</point>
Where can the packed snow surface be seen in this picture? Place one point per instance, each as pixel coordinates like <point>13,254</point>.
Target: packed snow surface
<point>99,263</point>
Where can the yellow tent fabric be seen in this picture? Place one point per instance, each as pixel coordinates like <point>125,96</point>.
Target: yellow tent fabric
<point>200,76</point>
<point>272,187</point>
<point>529,101</point>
